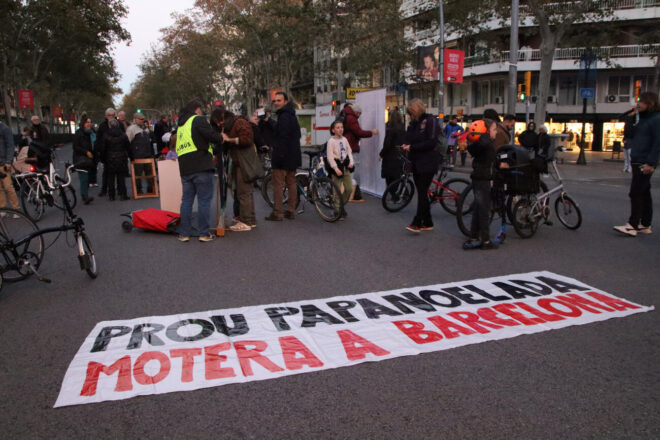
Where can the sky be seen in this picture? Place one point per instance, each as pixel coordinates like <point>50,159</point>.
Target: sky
<point>145,18</point>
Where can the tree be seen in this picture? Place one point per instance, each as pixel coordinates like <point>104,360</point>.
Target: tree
<point>59,48</point>
<point>554,20</point>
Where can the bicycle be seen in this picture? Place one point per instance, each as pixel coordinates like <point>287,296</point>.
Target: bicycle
<point>399,193</point>
<point>22,244</point>
<point>313,187</point>
<point>35,194</point>
<point>528,212</point>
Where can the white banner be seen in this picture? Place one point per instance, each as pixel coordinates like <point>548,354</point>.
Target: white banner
<point>373,116</point>
<point>162,354</point>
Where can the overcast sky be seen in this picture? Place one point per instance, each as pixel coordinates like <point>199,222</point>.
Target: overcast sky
<point>145,18</point>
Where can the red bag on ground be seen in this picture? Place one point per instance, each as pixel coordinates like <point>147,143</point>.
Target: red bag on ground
<point>156,220</point>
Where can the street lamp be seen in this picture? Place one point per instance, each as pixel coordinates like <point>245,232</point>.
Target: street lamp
<point>441,61</point>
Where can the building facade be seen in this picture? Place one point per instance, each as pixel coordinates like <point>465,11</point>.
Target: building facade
<point>619,71</point>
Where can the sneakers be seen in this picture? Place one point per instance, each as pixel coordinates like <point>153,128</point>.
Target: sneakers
<point>646,230</point>
<point>274,218</point>
<point>426,228</point>
<point>486,245</point>
<point>183,238</point>
<point>239,226</point>
<point>210,237</point>
<point>414,228</point>
<point>289,215</point>
<point>471,244</point>
<point>627,229</point>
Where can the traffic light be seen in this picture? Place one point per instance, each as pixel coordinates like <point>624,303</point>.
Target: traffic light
<point>521,92</point>
<point>459,113</point>
<point>638,89</point>
<point>139,110</point>
<point>528,83</point>
<point>335,104</point>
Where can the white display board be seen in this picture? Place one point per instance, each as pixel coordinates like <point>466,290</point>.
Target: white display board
<point>324,118</point>
<point>372,103</point>
<point>169,185</point>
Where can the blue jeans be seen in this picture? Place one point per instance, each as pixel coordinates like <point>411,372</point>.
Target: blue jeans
<point>200,184</point>
<point>83,176</point>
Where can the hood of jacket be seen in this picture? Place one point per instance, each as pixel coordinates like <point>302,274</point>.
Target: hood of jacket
<point>288,108</point>
<point>115,132</point>
<point>349,111</point>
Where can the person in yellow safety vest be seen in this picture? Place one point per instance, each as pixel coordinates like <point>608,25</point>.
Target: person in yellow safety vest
<point>196,167</point>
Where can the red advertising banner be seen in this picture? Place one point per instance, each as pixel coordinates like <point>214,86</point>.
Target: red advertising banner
<point>218,103</point>
<point>454,66</point>
<point>25,99</point>
<point>57,111</point>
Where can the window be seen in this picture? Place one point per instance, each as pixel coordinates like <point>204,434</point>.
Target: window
<point>618,89</point>
<point>479,93</point>
<point>567,91</point>
<point>497,91</point>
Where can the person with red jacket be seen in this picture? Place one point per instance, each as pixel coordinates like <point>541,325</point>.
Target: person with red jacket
<point>353,133</point>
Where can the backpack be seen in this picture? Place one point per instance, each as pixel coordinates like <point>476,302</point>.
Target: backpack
<point>441,141</point>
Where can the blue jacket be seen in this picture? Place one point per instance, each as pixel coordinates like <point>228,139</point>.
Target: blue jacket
<point>646,141</point>
<point>451,129</point>
<point>6,145</point>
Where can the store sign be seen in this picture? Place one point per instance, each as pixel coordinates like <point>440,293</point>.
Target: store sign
<point>454,66</point>
<point>25,99</point>
<point>162,354</point>
<point>351,92</point>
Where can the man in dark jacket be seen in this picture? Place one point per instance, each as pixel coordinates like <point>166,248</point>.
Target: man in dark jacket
<point>196,166</point>
<point>115,148</point>
<point>110,114</point>
<point>161,127</point>
<point>529,138</point>
<point>353,133</point>
<point>285,157</point>
<point>140,138</point>
<point>39,132</point>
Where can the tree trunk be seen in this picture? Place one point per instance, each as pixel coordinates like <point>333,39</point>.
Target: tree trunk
<point>548,45</point>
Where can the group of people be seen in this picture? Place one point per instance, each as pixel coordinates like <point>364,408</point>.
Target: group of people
<point>115,143</point>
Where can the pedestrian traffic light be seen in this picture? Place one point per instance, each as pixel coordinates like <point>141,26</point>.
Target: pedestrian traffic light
<point>139,110</point>
<point>521,92</point>
<point>334,106</point>
<point>638,89</point>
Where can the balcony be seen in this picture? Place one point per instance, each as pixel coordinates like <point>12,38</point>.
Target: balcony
<point>566,53</point>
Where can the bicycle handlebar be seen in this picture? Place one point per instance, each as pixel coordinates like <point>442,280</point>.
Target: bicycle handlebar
<point>53,178</point>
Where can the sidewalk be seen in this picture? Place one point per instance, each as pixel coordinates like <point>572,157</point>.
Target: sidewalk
<point>599,168</point>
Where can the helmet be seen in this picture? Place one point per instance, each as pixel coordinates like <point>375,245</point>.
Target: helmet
<point>477,128</point>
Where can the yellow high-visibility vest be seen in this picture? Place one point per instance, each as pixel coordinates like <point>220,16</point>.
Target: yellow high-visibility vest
<point>184,141</point>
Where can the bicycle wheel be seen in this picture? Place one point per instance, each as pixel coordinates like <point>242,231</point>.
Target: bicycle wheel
<point>449,193</point>
<point>70,195</point>
<point>267,191</point>
<point>324,196</point>
<point>86,255</point>
<point>526,217</point>
<point>464,208</point>
<point>33,204</point>
<point>15,259</point>
<point>512,200</point>
<point>398,194</point>
<point>568,212</point>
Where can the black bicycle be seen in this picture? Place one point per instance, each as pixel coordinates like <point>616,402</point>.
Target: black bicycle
<point>312,186</point>
<point>399,193</point>
<point>22,243</point>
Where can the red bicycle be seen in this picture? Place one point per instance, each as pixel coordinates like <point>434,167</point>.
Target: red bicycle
<point>399,193</point>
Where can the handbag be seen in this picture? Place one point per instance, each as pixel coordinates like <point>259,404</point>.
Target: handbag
<point>251,167</point>
<point>84,163</point>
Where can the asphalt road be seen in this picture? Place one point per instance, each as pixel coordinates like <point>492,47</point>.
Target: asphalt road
<point>600,380</point>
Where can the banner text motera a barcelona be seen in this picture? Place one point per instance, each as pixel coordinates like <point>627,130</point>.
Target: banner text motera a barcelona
<point>162,354</point>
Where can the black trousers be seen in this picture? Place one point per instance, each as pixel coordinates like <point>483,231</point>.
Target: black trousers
<point>121,183</point>
<point>641,205</point>
<point>422,183</point>
<point>480,227</point>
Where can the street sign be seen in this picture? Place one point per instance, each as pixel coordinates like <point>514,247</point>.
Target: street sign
<point>350,92</point>
<point>587,93</point>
